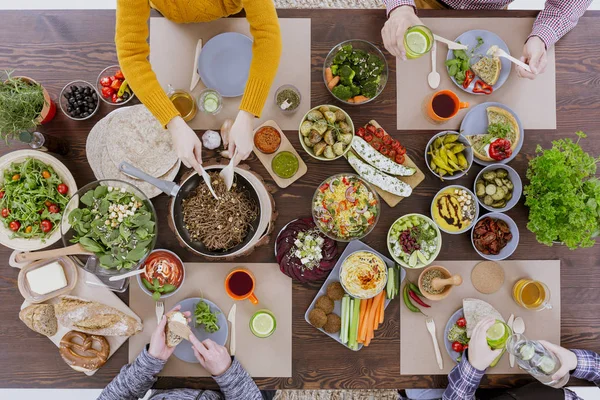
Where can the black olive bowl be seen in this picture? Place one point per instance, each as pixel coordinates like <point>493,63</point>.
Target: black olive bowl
<point>69,107</point>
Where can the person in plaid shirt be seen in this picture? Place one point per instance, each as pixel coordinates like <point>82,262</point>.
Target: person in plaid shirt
<point>556,19</point>
<point>464,379</point>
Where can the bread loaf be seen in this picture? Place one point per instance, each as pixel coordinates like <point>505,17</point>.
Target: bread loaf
<point>94,318</point>
<point>40,318</point>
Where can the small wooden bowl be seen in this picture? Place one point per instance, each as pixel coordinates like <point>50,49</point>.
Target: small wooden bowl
<point>452,280</point>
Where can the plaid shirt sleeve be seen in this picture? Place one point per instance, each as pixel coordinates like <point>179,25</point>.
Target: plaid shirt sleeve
<point>463,381</point>
<point>557,18</point>
<point>588,368</point>
<point>391,5</point>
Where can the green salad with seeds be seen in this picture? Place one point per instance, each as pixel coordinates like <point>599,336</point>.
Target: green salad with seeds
<point>115,225</point>
<point>32,199</point>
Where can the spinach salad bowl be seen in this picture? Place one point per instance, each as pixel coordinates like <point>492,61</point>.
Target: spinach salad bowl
<point>361,56</point>
<point>115,224</point>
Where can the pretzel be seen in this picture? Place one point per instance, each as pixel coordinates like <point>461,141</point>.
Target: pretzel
<point>79,352</point>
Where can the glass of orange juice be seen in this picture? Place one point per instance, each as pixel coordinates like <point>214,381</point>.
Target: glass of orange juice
<point>532,294</point>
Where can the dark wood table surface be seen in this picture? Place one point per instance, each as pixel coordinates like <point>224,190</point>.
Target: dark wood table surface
<point>55,47</point>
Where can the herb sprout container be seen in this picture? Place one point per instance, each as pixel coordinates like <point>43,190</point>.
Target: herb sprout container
<point>279,95</point>
<point>92,263</point>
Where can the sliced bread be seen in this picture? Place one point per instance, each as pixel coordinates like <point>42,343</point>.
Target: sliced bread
<point>40,318</point>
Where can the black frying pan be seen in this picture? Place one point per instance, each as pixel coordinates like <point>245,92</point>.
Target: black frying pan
<point>183,191</point>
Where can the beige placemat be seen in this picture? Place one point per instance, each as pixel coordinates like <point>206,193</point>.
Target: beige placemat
<point>417,356</point>
<point>172,49</point>
<point>270,357</point>
<point>533,101</point>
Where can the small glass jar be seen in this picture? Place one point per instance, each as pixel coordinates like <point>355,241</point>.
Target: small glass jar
<point>210,101</point>
<point>288,98</point>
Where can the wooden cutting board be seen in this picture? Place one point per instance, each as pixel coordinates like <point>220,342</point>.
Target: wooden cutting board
<point>413,181</point>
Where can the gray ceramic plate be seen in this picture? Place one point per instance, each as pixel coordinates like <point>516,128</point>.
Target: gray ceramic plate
<point>184,351</point>
<point>453,354</point>
<point>512,244</point>
<point>224,63</point>
<point>476,123</point>
<point>490,39</point>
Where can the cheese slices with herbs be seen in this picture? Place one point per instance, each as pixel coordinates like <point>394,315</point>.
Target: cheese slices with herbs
<point>378,160</point>
<point>374,176</point>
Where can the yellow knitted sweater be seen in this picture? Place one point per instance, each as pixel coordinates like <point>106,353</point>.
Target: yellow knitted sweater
<point>133,50</point>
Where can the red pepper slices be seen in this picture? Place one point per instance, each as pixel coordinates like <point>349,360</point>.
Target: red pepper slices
<point>500,149</point>
<point>482,87</point>
<point>382,142</point>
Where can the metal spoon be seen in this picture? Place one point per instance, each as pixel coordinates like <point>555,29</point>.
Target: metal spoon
<point>518,328</point>
<point>434,77</point>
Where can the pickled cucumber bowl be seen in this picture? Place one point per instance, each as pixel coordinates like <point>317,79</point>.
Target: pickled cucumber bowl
<point>414,241</point>
<point>498,188</point>
<point>454,209</point>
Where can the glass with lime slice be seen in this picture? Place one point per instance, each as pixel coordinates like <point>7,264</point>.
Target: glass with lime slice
<point>210,101</point>
<point>263,323</point>
<point>418,40</point>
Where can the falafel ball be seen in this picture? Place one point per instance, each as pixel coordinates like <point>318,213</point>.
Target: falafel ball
<point>333,324</point>
<point>325,303</point>
<point>335,291</point>
<point>317,318</point>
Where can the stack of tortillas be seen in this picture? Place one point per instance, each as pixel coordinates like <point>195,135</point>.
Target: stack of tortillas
<point>132,134</point>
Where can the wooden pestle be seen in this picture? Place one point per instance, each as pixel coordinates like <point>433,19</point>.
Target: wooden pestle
<point>439,284</point>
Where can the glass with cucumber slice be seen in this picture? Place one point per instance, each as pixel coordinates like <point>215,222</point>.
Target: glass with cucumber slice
<point>210,101</point>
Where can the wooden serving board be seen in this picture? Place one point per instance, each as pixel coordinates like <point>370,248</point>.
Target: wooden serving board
<point>286,145</point>
<point>413,181</point>
<point>98,293</point>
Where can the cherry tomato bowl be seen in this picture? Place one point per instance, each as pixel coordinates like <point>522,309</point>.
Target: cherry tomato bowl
<point>32,244</point>
<point>107,89</point>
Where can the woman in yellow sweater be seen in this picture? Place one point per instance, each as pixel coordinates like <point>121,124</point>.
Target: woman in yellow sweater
<point>133,50</point>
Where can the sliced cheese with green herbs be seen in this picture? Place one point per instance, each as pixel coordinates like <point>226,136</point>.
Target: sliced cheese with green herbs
<point>378,160</point>
<point>375,177</point>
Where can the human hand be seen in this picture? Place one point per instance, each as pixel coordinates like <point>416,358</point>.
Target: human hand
<point>158,341</point>
<point>241,136</point>
<point>536,56</point>
<point>187,144</point>
<point>568,359</point>
<point>213,357</point>
<point>395,27</point>
<point>480,353</point>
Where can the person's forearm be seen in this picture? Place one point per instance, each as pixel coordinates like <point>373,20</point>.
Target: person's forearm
<point>235,383</point>
<point>133,50</point>
<point>135,379</point>
<point>463,381</point>
<point>266,52</point>
<point>557,18</point>
<point>588,366</point>
<point>391,5</point>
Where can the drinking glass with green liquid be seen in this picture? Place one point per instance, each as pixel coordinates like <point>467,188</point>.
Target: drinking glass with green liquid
<point>418,40</point>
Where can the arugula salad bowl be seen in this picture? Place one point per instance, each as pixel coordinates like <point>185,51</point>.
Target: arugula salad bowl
<point>114,220</point>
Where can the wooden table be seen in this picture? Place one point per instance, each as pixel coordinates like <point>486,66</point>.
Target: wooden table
<point>55,47</point>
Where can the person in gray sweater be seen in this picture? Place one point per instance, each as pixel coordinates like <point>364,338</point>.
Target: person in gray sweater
<point>137,378</point>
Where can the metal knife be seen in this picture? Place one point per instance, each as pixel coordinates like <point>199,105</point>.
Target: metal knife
<point>231,319</point>
<point>511,358</point>
<point>195,76</point>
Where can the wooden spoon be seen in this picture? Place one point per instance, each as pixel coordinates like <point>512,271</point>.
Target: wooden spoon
<point>439,283</point>
<point>73,250</point>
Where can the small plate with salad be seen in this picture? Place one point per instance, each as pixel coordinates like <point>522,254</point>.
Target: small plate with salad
<point>208,322</point>
<point>473,70</point>
<point>115,221</point>
<point>345,207</point>
<point>455,336</point>
<point>414,241</point>
<point>34,191</point>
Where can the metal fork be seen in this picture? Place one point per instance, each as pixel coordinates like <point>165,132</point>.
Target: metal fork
<point>431,328</point>
<point>160,311</point>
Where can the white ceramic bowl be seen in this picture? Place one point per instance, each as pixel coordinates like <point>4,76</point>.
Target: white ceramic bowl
<point>309,150</point>
<point>475,205</point>
<point>419,264</point>
<point>164,296</point>
<point>18,156</point>
<point>517,189</point>
<point>510,247</point>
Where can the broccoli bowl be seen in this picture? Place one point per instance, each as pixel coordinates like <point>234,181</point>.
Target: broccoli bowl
<point>355,72</point>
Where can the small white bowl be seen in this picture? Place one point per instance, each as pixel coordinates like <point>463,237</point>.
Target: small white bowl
<point>145,289</point>
<point>475,205</point>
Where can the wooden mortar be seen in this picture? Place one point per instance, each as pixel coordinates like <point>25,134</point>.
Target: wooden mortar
<point>437,283</point>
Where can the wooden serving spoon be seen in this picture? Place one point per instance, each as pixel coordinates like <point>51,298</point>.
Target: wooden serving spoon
<point>73,250</point>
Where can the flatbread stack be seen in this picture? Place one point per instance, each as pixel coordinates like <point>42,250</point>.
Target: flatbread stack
<point>134,135</point>
<point>496,115</point>
<point>475,310</point>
